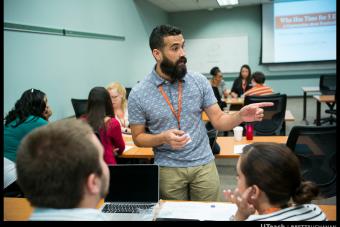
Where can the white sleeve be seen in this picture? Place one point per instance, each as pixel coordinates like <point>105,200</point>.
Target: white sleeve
<point>10,174</point>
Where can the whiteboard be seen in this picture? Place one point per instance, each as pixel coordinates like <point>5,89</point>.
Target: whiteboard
<point>228,53</point>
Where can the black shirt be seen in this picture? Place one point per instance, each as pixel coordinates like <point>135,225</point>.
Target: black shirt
<point>237,87</point>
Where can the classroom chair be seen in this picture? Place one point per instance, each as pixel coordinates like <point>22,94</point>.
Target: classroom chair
<point>79,106</point>
<point>273,122</point>
<point>315,146</point>
<point>327,85</point>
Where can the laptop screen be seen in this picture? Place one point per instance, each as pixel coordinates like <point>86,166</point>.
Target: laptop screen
<point>134,183</point>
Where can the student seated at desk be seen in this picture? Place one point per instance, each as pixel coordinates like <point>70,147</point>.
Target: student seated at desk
<point>242,83</point>
<point>268,177</point>
<point>258,88</point>
<point>218,86</point>
<point>62,173</point>
<point>100,117</point>
<point>119,103</point>
<point>30,111</point>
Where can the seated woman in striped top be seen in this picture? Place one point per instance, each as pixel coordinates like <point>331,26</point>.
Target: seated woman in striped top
<point>258,88</point>
<point>268,177</point>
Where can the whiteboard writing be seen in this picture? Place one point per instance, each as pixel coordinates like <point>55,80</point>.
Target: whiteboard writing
<point>228,53</point>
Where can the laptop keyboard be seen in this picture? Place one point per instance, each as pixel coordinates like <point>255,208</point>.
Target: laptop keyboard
<point>125,208</point>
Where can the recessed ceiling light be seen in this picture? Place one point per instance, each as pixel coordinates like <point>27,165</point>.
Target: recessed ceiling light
<point>227,2</point>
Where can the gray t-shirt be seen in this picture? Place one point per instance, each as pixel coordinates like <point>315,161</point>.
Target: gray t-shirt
<point>147,106</point>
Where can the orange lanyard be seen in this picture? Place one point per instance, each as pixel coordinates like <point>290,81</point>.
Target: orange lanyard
<point>271,210</point>
<point>178,114</point>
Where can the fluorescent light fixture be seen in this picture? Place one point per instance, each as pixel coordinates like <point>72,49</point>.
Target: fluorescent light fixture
<point>227,2</point>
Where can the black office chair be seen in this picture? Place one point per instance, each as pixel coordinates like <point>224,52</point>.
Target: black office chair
<point>212,135</point>
<point>315,147</point>
<point>327,85</point>
<point>128,90</point>
<point>273,122</point>
<point>13,190</point>
<point>79,106</point>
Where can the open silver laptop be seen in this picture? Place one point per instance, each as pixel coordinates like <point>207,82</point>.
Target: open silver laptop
<point>133,192</point>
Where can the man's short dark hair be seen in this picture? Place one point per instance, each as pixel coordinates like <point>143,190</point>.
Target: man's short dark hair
<point>214,71</point>
<point>259,77</point>
<point>54,162</point>
<point>156,40</point>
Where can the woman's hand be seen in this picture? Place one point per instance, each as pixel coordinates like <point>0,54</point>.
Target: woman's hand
<point>245,208</point>
<point>47,113</point>
<point>233,95</point>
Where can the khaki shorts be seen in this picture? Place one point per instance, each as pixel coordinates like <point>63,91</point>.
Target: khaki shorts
<point>199,183</point>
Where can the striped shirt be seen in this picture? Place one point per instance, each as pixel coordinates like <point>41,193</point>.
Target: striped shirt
<point>305,212</point>
<point>259,89</point>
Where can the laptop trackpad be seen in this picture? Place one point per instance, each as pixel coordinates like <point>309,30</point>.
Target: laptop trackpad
<point>129,217</point>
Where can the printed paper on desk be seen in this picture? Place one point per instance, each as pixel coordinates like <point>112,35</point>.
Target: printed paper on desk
<point>238,149</point>
<point>197,210</point>
<point>127,147</point>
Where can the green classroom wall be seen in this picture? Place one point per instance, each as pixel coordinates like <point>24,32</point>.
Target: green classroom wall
<point>68,67</point>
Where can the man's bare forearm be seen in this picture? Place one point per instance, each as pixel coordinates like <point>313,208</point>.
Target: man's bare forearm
<point>226,122</point>
<point>148,140</point>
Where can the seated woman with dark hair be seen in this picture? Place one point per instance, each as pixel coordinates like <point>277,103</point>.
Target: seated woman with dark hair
<point>218,86</point>
<point>268,178</point>
<point>242,83</point>
<point>30,111</point>
<point>100,117</point>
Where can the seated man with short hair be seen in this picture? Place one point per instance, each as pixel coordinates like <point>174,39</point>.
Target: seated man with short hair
<point>62,172</point>
<point>258,88</point>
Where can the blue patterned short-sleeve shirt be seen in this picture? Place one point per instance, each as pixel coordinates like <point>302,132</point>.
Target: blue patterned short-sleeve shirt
<point>147,106</point>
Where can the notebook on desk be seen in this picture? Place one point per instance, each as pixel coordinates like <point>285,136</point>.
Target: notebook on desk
<point>133,192</point>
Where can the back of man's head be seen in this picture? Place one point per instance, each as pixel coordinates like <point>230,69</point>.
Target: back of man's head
<point>156,40</point>
<point>54,162</point>
<point>259,77</point>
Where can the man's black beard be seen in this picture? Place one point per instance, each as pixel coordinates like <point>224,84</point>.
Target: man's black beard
<point>174,71</point>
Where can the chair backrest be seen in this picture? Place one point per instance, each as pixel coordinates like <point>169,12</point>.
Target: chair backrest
<point>212,135</point>
<point>128,90</point>
<point>315,146</point>
<point>327,84</point>
<point>79,106</point>
<point>274,116</point>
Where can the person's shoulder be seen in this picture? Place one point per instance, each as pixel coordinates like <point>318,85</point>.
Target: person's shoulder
<point>237,79</point>
<point>312,207</point>
<point>140,86</point>
<point>36,120</point>
<point>42,120</point>
<point>111,120</point>
<point>191,75</point>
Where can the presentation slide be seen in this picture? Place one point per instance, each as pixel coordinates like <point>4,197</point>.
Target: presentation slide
<point>299,31</point>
